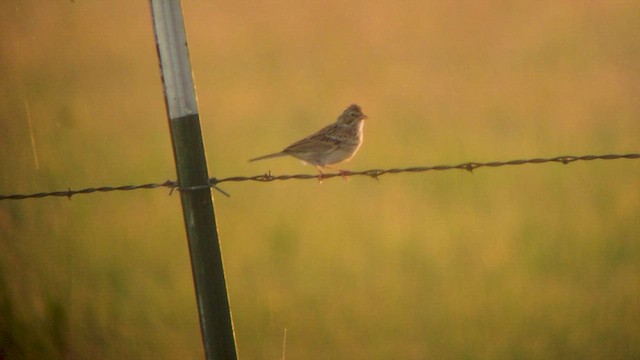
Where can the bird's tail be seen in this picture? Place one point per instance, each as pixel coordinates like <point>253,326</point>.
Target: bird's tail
<point>270,156</point>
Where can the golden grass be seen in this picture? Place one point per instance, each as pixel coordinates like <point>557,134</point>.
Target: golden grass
<point>524,262</point>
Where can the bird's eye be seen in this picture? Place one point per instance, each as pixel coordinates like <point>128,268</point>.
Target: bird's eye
<point>354,114</point>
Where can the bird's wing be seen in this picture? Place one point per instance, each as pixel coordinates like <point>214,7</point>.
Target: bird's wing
<point>321,142</point>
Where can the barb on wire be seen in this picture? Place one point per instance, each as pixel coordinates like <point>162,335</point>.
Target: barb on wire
<point>374,173</point>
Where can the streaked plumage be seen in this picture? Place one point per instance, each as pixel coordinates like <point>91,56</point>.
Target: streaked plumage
<point>332,144</point>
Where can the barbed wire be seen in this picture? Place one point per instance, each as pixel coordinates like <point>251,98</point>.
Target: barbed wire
<point>374,173</point>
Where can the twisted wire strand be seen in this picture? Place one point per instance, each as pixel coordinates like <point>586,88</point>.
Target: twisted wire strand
<point>69,193</point>
<point>373,173</point>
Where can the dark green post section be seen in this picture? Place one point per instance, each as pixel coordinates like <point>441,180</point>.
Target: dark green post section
<point>200,221</point>
<point>189,152</point>
<point>193,180</point>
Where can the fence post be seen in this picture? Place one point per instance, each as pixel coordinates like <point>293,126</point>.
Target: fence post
<point>197,205</point>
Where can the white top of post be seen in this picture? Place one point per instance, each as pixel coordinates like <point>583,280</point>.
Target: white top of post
<point>175,66</point>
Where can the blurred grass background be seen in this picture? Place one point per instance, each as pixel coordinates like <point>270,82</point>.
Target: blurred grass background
<point>528,262</point>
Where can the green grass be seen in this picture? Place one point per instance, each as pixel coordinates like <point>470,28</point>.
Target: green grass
<point>527,262</point>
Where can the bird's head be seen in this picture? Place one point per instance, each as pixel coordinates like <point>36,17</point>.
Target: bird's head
<point>351,115</point>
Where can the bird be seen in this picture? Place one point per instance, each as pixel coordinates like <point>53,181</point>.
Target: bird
<point>330,145</point>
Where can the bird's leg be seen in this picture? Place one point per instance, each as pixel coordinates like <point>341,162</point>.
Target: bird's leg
<point>321,176</point>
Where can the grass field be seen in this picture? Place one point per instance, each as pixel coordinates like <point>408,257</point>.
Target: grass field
<point>526,262</point>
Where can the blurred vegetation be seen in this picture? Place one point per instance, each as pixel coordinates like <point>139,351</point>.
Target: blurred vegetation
<point>527,262</point>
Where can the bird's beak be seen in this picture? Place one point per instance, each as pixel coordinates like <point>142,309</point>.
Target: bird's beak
<point>363,116</point>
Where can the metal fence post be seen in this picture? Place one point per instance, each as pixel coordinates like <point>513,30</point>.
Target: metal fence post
<point>197,204</point>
